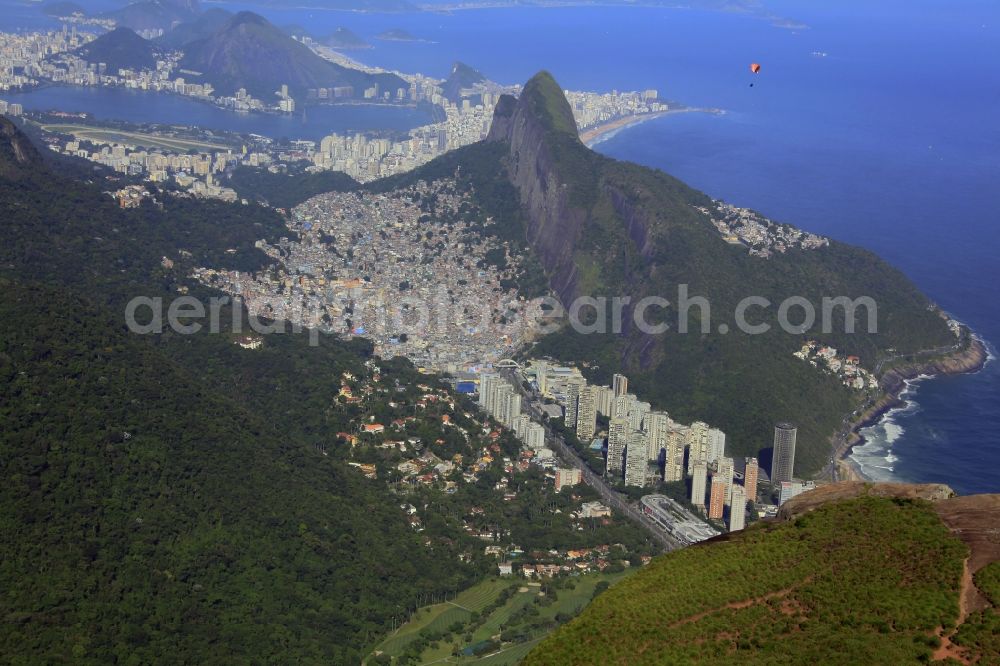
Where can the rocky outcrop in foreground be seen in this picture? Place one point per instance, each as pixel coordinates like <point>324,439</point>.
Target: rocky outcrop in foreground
<point>835,492</point>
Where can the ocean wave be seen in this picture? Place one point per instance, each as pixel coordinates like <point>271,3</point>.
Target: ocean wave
<point>991,352</point>
<point>891,432</point>
<point>875,454</point>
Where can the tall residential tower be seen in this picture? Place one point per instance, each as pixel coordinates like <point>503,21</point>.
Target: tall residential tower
<point>783,462</point>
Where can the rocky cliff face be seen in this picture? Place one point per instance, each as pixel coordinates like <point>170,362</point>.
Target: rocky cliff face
<point>16,152</point>
<point>845,490</point>
<point>528,126</point>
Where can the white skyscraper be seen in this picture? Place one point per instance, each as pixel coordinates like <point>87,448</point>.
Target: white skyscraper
<point>635,459</point>
<point>586,415</point>
<point>738,509</point>
<point>623,404</point>
<point>637,414</point>
<point>699,481</point>
<point>605,401</point>
<point>673,469</point>
<point>656,424</point>
<point>716,444</point>
<point>725,471</point>
<point>573,389</point>
<point>619,384</point>
<point>511,408</point>
<point>536,436</point>
<point>783,456</point>
<point>520,426</point>
<point>617,439</point>
<point>697,445</point>
<point>486,385</point>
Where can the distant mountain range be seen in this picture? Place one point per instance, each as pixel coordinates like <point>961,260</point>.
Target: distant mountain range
<point>121,49</point>
<point>247,51</point>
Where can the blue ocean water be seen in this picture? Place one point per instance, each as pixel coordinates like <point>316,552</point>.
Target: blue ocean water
<point>874,123</point>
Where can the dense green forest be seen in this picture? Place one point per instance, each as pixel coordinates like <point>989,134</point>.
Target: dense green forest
<point>287,190</point>
<point>860,581</point>
<point>148,516</point>
<point>163,497</point>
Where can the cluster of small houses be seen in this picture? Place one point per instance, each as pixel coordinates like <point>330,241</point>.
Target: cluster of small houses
<point>542,564</point>
<point>422,465</point>
<point>427,468</point>
<point>848,369</point>
<point>742,226</point>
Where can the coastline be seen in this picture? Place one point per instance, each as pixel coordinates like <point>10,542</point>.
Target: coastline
<point>894,384</point>
<point>595,135</point>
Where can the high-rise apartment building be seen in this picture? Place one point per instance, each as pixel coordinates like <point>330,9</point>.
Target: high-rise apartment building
<point>717,498</point>
<point>738,509</point>
<point>605,401</point>
<point>617,440</point>
<point>716,445</point>
<point>698,480</point>
<point>535,436</point>
<point>567,477</point>
<point>637,414</point>
<point>586,415</point>
<point>673,468</point>
<point>783,461</point>
<point>573,388</point>
<point>750,476</point>
<point>655,426</point>
<point>697,443</point>
<point>724,470</point>
<point>619,384</point>
<point>636,459</point>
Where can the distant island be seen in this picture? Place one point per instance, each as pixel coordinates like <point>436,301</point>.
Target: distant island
<point>382,6</point>
<point>63,9</point>
<point>399,35</point>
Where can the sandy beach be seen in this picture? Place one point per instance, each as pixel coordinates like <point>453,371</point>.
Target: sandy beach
<point>593,136</point>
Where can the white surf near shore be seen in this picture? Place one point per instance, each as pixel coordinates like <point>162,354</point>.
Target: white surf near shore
<point>874,457</point>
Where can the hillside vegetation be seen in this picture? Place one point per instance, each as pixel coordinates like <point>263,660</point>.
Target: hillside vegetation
<point>162,497</point>
<point>868,580</point>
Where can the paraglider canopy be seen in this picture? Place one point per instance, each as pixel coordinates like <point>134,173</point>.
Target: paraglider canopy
<point>755,68</point>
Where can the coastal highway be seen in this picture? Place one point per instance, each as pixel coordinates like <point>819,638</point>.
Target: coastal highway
<point>615,500</point>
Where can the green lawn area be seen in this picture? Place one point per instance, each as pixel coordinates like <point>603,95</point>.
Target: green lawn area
<point>524,606</point>
<point>429,618</point>
<point>507,656</point>
<point>480,596</point>
<point>502,615</point>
